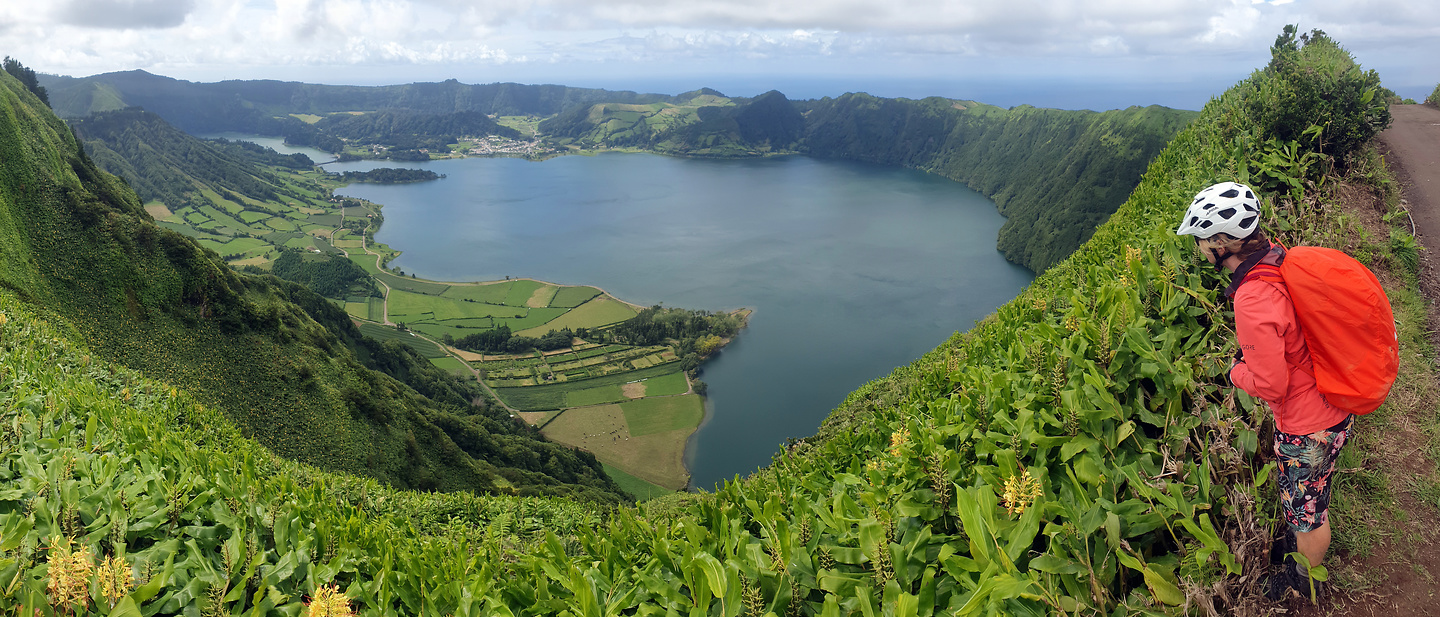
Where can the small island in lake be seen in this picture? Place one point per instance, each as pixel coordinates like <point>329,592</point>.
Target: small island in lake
<point>391,175</point>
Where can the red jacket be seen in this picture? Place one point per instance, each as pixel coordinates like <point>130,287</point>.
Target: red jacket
<point>1276,366</point>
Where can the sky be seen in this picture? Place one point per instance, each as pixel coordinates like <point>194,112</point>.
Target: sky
<point>1071,54</point>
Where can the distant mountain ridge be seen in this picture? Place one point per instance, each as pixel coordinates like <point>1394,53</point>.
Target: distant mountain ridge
<point>1055,174</point>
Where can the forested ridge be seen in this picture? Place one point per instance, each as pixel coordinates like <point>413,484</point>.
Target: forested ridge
<point>165,164</point>
<point>288,367</point>
<point>251,106</point>
<point>1055,174</point>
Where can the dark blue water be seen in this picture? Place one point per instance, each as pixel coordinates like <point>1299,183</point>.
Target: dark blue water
<point>852,269</point>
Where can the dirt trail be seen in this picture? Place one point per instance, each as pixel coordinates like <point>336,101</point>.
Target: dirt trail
<point>1414,145</point>
<point>1400,574</point>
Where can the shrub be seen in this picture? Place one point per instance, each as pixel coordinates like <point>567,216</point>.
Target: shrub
<point>1321,87</point>
<point>1434,99</point>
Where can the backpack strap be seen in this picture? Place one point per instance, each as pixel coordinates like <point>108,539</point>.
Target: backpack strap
<point>1267,272</point>
<point>1263,272</point>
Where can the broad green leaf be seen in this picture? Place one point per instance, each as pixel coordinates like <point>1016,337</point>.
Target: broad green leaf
<point>125,608</point>
<point>1162,589</point>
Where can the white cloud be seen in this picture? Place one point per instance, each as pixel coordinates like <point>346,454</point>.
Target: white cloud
<point>943,36</point>
<point>123,14</point>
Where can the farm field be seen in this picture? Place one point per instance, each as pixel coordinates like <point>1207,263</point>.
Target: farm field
<point>651,455</point>
<point>388,333</point>
<point>246,230</point>
<point>652,416</point>
<point>600,311</point>
<point>451,364</point>
<point>554,396</point>
<point>642,490</point>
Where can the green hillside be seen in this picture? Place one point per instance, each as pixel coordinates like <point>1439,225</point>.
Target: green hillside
<point>1055,174</point>
<point>703,123</point>
<point>1079,452</point>
<point>288,367</point>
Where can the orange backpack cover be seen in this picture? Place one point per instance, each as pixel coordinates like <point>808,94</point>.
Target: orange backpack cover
<point>1347,323</point>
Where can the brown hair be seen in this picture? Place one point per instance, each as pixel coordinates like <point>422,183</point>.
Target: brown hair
<point>1244,248</point>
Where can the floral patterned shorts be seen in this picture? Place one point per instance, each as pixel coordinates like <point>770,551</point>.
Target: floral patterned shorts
<point>1305,465</point>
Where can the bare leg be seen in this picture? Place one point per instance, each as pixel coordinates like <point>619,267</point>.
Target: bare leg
<point>1313,544</point>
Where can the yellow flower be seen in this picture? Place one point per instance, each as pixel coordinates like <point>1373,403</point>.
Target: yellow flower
<point>329,602</point>
<point>897,441</point>
<point>69,573</point>
<point>115,579</point>
<point>1021,491</point>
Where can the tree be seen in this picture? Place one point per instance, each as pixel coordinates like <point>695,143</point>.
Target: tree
<point>27,77</point>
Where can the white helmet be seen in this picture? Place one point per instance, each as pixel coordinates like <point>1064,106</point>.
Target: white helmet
<point>1227,207</point>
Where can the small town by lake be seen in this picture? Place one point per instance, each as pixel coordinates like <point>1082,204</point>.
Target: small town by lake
<point>852,269</point>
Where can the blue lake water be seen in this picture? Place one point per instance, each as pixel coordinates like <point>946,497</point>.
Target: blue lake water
<point>852,269</point>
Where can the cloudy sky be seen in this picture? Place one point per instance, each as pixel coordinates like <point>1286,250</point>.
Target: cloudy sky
<point>1057,53</point>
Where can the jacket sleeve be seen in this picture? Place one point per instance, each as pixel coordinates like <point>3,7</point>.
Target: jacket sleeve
<point>1263,314</point>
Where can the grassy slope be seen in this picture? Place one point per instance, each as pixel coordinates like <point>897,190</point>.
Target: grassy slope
<point>78,242</point>
<point>1102,382</point>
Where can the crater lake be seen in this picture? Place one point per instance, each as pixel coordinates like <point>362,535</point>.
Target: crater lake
<point>852,269</point>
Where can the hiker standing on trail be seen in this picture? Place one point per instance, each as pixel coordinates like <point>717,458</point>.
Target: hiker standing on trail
<point>1275,362</point>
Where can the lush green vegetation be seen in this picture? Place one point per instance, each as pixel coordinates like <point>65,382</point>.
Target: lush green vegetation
<point>332,276</point>
<point>407,129</point>
<point>1078,452</point>
<point>238,199</point>
<point>702,123</point>
<point>391,175</point>
<point>27,77</point>
<point>1434,99</point>
<point>169,492</point>
<point>287,366</point>
<point>696,334</point>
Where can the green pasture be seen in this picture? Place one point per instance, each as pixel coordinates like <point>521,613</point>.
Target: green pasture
<point>553,396</point>
<point>666,385</point>
<point>527,125</point>
<point>246,246</point>
<point>521,291</point>
<point>405,304</point>
<point>536,319</point>
<point>451,364</point>
<point>573,296</point>
<point>280,237</point>
<point>648,416</point>
<point>594,396</point>
<point>601,311</point>
<point>251,216</point>
<point>358,310</point>
<point>279,224</point>
<point>642,490</point>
